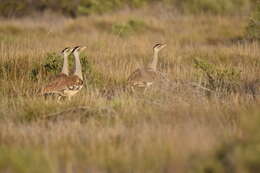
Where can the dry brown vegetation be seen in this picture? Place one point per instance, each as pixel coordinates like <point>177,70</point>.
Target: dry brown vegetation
<point>177,130</point>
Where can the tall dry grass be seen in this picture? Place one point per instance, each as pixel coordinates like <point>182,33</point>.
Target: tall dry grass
<point>166,131</point>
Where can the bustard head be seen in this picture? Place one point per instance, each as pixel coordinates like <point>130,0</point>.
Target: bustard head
<point>158,47</point>
<point>67,51</point>
<point>78,49</point>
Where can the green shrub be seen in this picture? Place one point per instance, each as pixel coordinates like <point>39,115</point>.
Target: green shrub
<point>218,79</point>
<point>14,8</point>
<point>14,68</point>
<point>5,69</point>
<point>51,66</point>
<point>238,154</point>
<point>85,7</point>
<point>98,6</point>
<point>253,28</point>
<point>23,161</point>
<point>132,26</point>
<point>215,6</point>
<point>11,30</point>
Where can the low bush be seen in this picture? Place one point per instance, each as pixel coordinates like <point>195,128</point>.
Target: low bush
<point>253,28</point>
<point>218,79</point>
<point>238,155</point>
<point>125,29</point>
<point>9,8</point>
<point>215,6</point>
<point>23,161</point>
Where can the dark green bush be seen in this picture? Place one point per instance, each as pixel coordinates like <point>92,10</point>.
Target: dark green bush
<point>23,160</point>
<point>238,154</point>
<point>253,28</point>
<point>218,79</point>
<point>52,65</point>
<point>132,26</point>
<point>84,7</point>
<point>14,68</point>
<point>215,6</point>
<point>10,8</point>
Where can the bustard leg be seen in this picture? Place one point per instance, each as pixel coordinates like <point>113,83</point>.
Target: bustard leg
<point>59,99</point>
<point>145,89</point>
<point>148,85</point>
<point>132,89</point>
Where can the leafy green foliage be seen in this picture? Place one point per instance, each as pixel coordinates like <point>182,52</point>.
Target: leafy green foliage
<point>125,29</point>
<point>238,155</point>
<point>5,69</point>
<point>214,6</point>
<point>23,161</point>
<point>218,78</point>
<point>11,70</point>
<point>52,65</point>
<point>11,30</point>
<point>13,8</point>
<point>253,28</point>
<point>85,7</point>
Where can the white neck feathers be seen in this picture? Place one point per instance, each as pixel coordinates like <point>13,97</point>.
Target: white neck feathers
<point>65,69</point>
<point>153,64</point>
<point>78,70</point>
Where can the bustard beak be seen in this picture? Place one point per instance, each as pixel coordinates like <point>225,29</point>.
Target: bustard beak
<point>67,51</point>
<point>64,50</point>
<point>163,45</point>
<point>83,48</point>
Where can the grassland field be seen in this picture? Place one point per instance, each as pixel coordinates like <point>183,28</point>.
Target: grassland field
<point>172,130</point>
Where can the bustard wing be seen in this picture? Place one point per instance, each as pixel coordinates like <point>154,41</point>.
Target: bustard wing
<point>55,84</point>
<point>162,77</point>
<point>73,83</point>
<point>142,77</point>
<point>136,74</point>
<point>63,85</point>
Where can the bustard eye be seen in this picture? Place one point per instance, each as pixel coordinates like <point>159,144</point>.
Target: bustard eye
<point>157,46</point>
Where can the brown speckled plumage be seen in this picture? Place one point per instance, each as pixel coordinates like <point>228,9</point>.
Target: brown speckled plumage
<point>63,84</point>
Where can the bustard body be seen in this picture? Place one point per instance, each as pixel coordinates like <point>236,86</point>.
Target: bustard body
<point>50,88</point>
<point>75,82</point>
<point>143,78</point>
<point>66,87</point>
<point>70,85</point>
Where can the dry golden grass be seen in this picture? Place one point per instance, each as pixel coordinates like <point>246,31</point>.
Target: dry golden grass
<point>158,132</point>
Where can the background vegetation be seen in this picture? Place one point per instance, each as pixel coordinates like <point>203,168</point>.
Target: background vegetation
<point>253,28</point>
<point>74,8</point>
<point>105,129</point>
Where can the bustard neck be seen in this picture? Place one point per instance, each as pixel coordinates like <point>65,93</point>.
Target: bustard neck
<point>78,70</point>
<point>153,64</point>
<point>65,69</point>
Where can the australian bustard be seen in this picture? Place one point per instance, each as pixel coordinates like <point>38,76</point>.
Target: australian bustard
<point>69,85</point>
<point>143,78</point>
<point>65,68</point>
<point>49,89</point>
<point>75,82</point>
